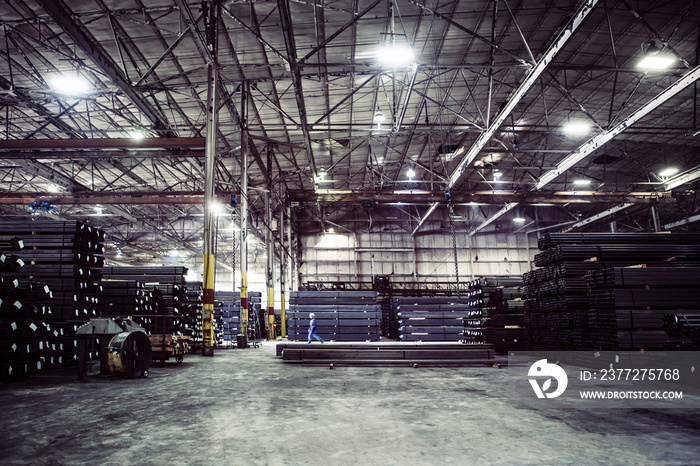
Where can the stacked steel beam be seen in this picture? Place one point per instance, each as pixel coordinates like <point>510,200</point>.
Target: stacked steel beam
<point>340,315</point>
<point>227,311</point>
<point>65,257</point>
<point>504,326</point>
<point>167,298</point>
<point>683,330</point>
<point>628,305</point>
<point>24,332</point>
<point>437,318</point>
<point>192,314</point>
<point>128,298</point>
<point>558,302</point>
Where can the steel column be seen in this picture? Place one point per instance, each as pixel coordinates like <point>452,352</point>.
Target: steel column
<point>209,262</point>
<point>269,245</point>
<point>283,275</point>
<point>244,234</point>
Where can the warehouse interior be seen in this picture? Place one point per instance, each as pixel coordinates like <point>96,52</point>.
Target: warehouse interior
<point>442,183</point>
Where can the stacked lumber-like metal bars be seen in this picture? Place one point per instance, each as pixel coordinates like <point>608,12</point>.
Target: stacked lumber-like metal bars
<point>192,314</point>
<point>558,305</point>
<point>627,305</point>
<point>437,318</point>
<point>504,326</point>
<point>683,329</point>
<point>227,311</point>
<point>162,308</point>
<point>51,276</point>
<point>340,315</point>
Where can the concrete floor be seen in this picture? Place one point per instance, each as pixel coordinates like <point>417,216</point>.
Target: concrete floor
<point>246,407</point>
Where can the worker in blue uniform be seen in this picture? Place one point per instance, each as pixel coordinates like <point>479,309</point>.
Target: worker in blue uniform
<point>312,328</point>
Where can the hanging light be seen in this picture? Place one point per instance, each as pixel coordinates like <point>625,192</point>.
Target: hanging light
<point>70,84</point>
<point>576,128</point>
<point>396,55</point>
<point>410,173</point>
<point>654,60</point>
<point>379,116</point>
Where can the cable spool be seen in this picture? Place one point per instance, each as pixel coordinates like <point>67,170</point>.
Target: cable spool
<point>129,354</point>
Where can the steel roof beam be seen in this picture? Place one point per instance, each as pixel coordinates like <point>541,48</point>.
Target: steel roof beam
<point>288,32</point>
<point>531,78</point>
<point>106,143</point>
<point>91,47</point>
<point>475,197</point>
<point>596,217</point>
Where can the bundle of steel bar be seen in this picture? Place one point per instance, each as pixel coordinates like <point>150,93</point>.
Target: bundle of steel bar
<point>128,298</point>
<point>227,311</point>
<point>24,229</point>
<point>10,243</point>
<point>683,330</point>
<point>549,240</point>
<point>387,354</point>
<point>505,326</point>
<point>27,345</point>
<point>192,314</point>
<point>616,252</point>
<point>340,315</point>
<point>438,318</point>
<point>149,275</point>
<point>60,242</point>
<point>559,297</point>
<point>637,299</point>
<point>64,257</point>
<point>11,263</point>
<point>168,290</point>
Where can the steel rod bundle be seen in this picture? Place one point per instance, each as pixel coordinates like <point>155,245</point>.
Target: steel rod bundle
<point>227,309</point>
<point>604,291</point>
<point>549,240</point>
<point>683,329</point>
<point>387,354</point>
<point>340,315</point>
<point>55,281</point>
<point>616,252</point>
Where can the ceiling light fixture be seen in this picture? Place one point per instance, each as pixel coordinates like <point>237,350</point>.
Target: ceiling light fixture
<point>410,173</point>
<point>576,128</point>
<point>654,60</point>
<point>582,182</point>
<point>497,173</point>
<point>668,172</point>
<point>379,117</point>
<point>70,84</point>
<point>137,134</point>
<point>396,55</point>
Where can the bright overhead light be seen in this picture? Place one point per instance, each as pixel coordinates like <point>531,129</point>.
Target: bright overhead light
<point>582,182</point>
<point>379,117</point>
<point>576,129</point>
<point>668,172</point>
<point>410,173</point>
<point>395,55</point>
<point>655,63</point>
<point>71,85</point>
<point>137,134</point>
<point>654,60</point>
<point>497,173</point>
<point>519,219</point>
<point>53,188</point>
<point>331,230</point>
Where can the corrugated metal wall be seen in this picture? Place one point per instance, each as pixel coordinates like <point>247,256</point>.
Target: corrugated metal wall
<point>347,257</point>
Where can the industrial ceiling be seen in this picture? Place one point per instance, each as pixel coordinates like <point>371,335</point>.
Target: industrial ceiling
<point>473,121</point>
